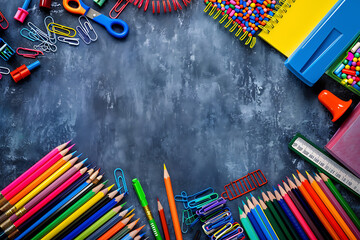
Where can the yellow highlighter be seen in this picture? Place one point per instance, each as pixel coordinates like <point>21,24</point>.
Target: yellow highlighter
<point>76,214</point>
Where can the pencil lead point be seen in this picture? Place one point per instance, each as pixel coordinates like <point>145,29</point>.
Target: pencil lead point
<point>72,154</point>
<point>83,161</point>
<point>164,167</point>
<point>105,182</point>
<point>79,155</point>
<point>69,148</point>
<point>298,172</point>
<point>123,204</point>
<point>274,188</point>
<point>68,141</point>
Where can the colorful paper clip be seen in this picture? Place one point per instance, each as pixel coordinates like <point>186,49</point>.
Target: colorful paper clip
<point>118,10</point>
<point>215,223</point>
<point>5,50</point>
<point>66,31</point>
<point>229,231</point>
<point>184,198</point>
<point>4,71</point>
<point>28,53</point>
<point>51,37</point>
<point>244,185</point>
<point>29,34</point>
<point>211,207</point>
<point>202,201</point>
<point>4,24</point>
<point>120,181</point>
<point>69,40</point>
<point>85,29</point>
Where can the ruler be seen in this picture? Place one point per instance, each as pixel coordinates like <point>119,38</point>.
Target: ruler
<point>317,157</point>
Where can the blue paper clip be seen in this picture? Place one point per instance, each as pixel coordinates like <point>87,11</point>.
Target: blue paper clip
<point>121,185</point>
<point>5,50</point>
<point>211,207</point>
<point>202,201</point>
<point>237,234</point>
<point>183,197</point>
<point>217,222</point>
<point>29,34</point>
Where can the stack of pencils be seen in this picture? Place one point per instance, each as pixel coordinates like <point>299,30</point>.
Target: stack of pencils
<point>302,208</point>
<point>60,198</point>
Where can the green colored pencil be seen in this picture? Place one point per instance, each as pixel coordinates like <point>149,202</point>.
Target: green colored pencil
<point>340,199</point>
<point>125,230</point>
<point>283,216</point>
<point>68,212</point>
<point>272,220</point>
<point>249,229</point>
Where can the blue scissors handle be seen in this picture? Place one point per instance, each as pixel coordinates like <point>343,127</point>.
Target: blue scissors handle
<point>109,24</point>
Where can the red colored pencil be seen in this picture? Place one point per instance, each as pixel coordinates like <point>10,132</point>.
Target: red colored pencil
<point>163,221</point>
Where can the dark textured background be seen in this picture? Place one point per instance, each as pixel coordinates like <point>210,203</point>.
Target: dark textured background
<point>180,90</point>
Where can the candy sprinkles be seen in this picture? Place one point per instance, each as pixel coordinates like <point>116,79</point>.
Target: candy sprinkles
<point>245,16</point>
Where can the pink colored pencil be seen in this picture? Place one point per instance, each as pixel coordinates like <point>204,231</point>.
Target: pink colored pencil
<point>297,214</point>
<point>337,205</point>
<point>37,173</point>
<point>31,170</point>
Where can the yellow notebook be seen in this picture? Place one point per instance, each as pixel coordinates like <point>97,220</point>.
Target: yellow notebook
<point>293,22</point>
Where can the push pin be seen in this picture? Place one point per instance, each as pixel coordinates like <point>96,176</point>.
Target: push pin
<point>23,71</point>
<point>335,105</point>
<point>22,12</point>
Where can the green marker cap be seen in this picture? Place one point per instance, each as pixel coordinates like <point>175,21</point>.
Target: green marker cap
<point>139,192</point>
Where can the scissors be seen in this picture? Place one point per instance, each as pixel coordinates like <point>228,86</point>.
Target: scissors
<point>105,21</point>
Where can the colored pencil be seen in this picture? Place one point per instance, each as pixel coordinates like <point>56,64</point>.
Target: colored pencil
<point>140,236</point>
<point>331,207</point>
<point>68,212</point>
<point>116,228</point>
<point>125,230</point>
<point>102,225</point>
<point>322,207</point>
<point>76,214</point>
<point>30,231</point>
<point>31,170</point>
<point>296,192</point>
<point>250,231</point>
<point>277,217</point>
<point>253,221</point>
<point>263,217</point>
<point>272,220</point>
<point>51,195</point>
<point>131,235</point>
<point>290,215</point>
<point>302,211</point>
<point>341,200</point>
<point>172,205</point>
<point>163,221</point>
<point>94,217</point>
<point>259,220</point>
<point>337,206</point>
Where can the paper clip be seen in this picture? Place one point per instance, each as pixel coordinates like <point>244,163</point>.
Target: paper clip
<point>120,181</point>
<point>29,34</point>
<point>200,202</point>
<point>213,224</point>
<point>116,10</point>
<point>5,50</point>
<point>84,31</point>
<point>66,31</point>
<point>228,231</point>
<point>46,47</point>
<point>52,37</point>
<point>183,197</point>
<point>4,71</point>
<point>211,207</point>
<point>28,53</point>
<point>3,19</point>
<point>69,40</point>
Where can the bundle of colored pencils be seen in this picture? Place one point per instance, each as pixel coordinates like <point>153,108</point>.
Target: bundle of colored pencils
<point>303,208</point>
<point>60,198</point>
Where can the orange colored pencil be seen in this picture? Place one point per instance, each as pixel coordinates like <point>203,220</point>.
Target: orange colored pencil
<point>316,209</point>
<point>331,207</point>
<point>117,227</point>
<point>322,206</point>
<point>172,205</point>
<point>163,221</point>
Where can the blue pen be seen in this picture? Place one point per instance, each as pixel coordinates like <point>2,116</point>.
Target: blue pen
<point>290,216</point>
<point>94,217</point>
<point>253,222</point>
<point>259,221</point>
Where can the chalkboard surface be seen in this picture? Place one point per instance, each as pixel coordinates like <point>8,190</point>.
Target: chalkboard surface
<point>180,90</point>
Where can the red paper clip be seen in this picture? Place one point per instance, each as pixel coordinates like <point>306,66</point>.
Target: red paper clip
<point>116,10</point>
<point>3,19</point>
<point>28,53</point>
<point>244,185</point>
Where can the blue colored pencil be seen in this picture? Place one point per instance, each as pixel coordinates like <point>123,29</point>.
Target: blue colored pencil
<point>93,218</point>
<point>290,216</point>
<point>253,222</point>
<point>259,221</point>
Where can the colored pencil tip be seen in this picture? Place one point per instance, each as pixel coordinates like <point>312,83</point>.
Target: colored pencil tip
<point>251,195</point>
<point>123,204</point>
<point>274,188</point>
<point>298,172</point>
<point>105,182</point>
<point>119,189</point>
<point>73,152</point>
<point>242,202</point>
<point>110,187</point>
<point>294,176</point>
<point>88,165</point>
<point>141,235</point>
<point>68,142</point>
<point>131,208</point>
<point>69,148</point>
<point>157,199</point>
<point>79,155</point>
<point>164,167</point>
<point>287,178</point>
<point>83,161</point>
<point>307,173</point>
<point>247,198</point>
<point>283,181</point>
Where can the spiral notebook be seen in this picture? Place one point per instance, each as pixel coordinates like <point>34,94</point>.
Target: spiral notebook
<point>293,22</point>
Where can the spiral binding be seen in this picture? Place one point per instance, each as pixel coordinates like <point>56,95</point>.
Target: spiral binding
<point>280,10</point>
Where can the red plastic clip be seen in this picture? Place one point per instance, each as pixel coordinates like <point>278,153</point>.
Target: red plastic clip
<point>3,19</point>
<point>116,9</point>
<point>28,53</point>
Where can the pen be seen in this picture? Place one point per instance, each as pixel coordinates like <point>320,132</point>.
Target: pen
<point>142,198</point>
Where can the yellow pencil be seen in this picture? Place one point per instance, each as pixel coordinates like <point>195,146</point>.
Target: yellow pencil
<point>330,207</point>
<point>77,213</point>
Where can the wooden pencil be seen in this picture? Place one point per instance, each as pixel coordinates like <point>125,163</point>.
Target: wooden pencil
<point>259,220</point>
<point>253,221</point>
<point>125,230</point>
<point>131,235</point>
<point>250,231</point>
<point>163,220</point>
<point>272,220</point>
<point>321,206</point>
<point>116,228</point>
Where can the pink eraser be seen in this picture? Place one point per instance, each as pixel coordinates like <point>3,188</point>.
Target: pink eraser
<point>21,14</point>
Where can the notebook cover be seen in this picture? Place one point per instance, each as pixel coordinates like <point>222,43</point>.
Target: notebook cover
<point>296,24</point>
<point>345,144</point>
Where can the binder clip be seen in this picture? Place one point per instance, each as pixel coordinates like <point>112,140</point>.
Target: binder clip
<point>335,105</point>
<point>211,207</point>
<point>4,24</point>
<point>23,71</point>
<point>120,181</point>
<point>28,53</point>
<point>244,185</point>
<point>21,13</point>
<point>5,50</point>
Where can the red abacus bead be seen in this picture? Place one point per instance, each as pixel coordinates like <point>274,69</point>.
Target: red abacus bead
<point>353,68</point>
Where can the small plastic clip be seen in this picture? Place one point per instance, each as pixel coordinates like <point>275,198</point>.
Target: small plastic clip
<point>3,19</point>
<point>66,31</point>
<point>4,71</point>
<point>120,181</point>
<point>29,53</point>
<point>29,34</point>
<point>69,40</point>
<point>85,29</point>
<point>211,207</point>
<point>118,10</point>
<point>52,37</point>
